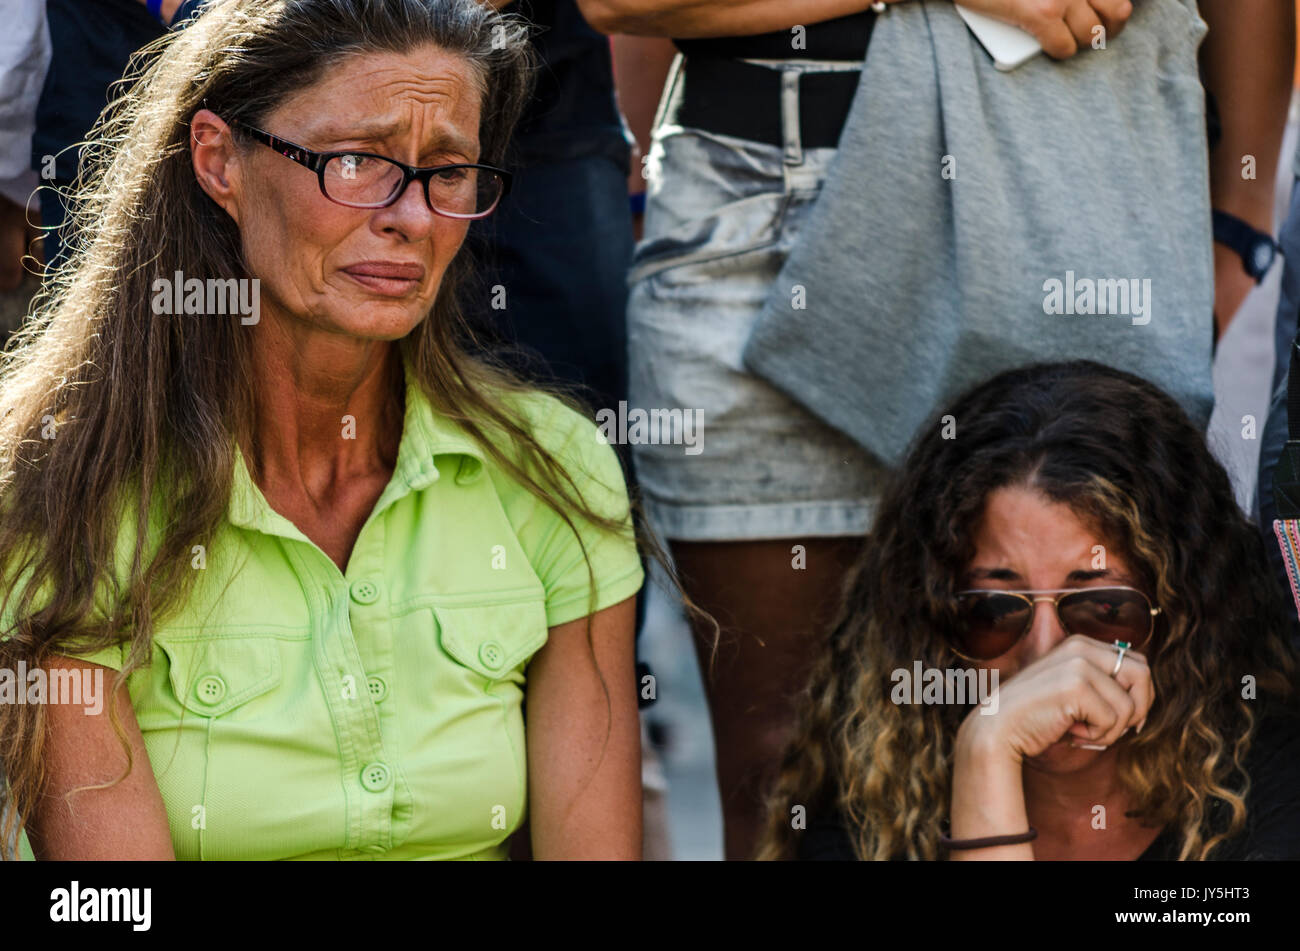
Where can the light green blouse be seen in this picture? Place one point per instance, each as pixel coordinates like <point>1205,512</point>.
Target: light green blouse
<point>295,711</point>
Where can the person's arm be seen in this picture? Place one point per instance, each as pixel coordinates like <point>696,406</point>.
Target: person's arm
<point>124,821</point>
<point>1063,27</point>
<point>700,18</point>
<point>584,746</point>
<point>1247,62</point>
<point>641,66</point>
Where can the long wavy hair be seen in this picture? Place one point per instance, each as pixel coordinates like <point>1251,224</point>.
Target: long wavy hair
<point>144,409</point>
<point>1128,461</point>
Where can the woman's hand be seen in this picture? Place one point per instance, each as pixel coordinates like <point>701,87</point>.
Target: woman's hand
<point>1062,27</point>
<point>1068,693</point>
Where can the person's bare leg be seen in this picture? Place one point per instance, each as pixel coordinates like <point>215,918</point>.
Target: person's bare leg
<point>774,615</point>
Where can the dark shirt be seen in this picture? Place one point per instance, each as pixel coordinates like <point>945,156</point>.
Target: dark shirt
<point>90,43</point>
<point>574,110</point>
<point>844,38</point>
<point>1272,808</point>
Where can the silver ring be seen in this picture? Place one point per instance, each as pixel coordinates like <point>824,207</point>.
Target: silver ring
<point>879,7</point>
<point>1121,647</point>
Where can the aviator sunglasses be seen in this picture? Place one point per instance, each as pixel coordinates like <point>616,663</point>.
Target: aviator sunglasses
<point>991,623</point>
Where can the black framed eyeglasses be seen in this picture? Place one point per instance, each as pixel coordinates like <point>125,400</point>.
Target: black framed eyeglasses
<point>991,622</point>
<point>366,180</point>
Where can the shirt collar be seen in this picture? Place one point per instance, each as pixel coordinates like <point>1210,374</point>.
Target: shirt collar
<point>426,436</point>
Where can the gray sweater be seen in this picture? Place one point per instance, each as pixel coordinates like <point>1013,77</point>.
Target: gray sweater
<point>975,221</point>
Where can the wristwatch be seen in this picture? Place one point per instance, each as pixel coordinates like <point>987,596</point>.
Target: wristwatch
<point>1257,250</point>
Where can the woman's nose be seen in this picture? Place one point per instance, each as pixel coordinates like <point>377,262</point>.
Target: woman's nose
<point>411,213</point>
<point>1045,631</point>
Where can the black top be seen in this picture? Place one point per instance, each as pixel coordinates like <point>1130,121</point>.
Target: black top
<point>844,38</point>
<point>574,111</point>
<point>91,41</point>
<point>1272,808</point>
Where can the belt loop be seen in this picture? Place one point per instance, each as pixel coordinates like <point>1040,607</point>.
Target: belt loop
<point>671,87</point>
<point>790,116</point>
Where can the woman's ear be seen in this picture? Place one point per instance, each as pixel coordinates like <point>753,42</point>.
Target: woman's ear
<point>215,160</point>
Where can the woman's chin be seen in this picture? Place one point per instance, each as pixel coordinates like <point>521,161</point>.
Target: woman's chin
<point>1061,757</point>
<point>387,324</point>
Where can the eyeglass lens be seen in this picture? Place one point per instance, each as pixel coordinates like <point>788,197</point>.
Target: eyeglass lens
<point>366,180</point>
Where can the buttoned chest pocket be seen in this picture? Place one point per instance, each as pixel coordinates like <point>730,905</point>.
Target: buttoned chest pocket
<point>211,678</point>
<point>220,727</point>
<point>492,640</point>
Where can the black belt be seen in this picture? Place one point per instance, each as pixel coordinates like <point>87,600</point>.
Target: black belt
<point>732,97</point>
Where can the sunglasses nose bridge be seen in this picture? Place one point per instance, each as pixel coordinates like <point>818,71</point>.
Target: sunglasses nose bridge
<point>1046,628</point>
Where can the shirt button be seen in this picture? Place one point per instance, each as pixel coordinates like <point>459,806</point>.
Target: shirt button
<point>365,592</point>
<point>378,688</point>
<point>492,654</point>
<point>376,777</point>
<point>210,689</point>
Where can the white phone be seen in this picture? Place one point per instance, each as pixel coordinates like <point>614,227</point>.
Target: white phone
<point>1009,45</point>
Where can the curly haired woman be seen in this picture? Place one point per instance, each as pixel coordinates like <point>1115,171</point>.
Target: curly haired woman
<point>1065,528</point>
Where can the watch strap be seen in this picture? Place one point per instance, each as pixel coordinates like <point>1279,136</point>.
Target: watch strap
<point>1231,232</point>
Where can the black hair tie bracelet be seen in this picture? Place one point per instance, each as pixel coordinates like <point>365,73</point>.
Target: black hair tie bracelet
<point>989,841</point>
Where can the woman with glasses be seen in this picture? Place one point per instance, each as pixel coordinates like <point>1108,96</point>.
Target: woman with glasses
<point>330,554</point>
<point>1065,529</point>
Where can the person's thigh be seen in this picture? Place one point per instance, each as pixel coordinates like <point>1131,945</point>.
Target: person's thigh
<point>774,602</point>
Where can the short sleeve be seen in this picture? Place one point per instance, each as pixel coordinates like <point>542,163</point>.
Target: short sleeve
<point>15,584</point>
<point>113,656</point>
<point>553,547</point>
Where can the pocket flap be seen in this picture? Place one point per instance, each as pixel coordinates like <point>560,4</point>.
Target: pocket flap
<point>492,639</point>
<point>212,677</point>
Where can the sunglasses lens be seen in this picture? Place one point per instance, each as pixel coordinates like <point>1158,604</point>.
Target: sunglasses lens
<point>990,624</point>
<point>1107,614</point>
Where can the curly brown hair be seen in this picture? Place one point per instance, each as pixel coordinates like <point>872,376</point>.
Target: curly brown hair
<point>1126,458</point>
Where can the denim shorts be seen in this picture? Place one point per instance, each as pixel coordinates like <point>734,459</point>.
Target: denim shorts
<point>722,214</point>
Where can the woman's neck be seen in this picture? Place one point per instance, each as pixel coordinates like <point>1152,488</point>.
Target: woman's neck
<point>1083,814</point>
<point>325,408</point>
